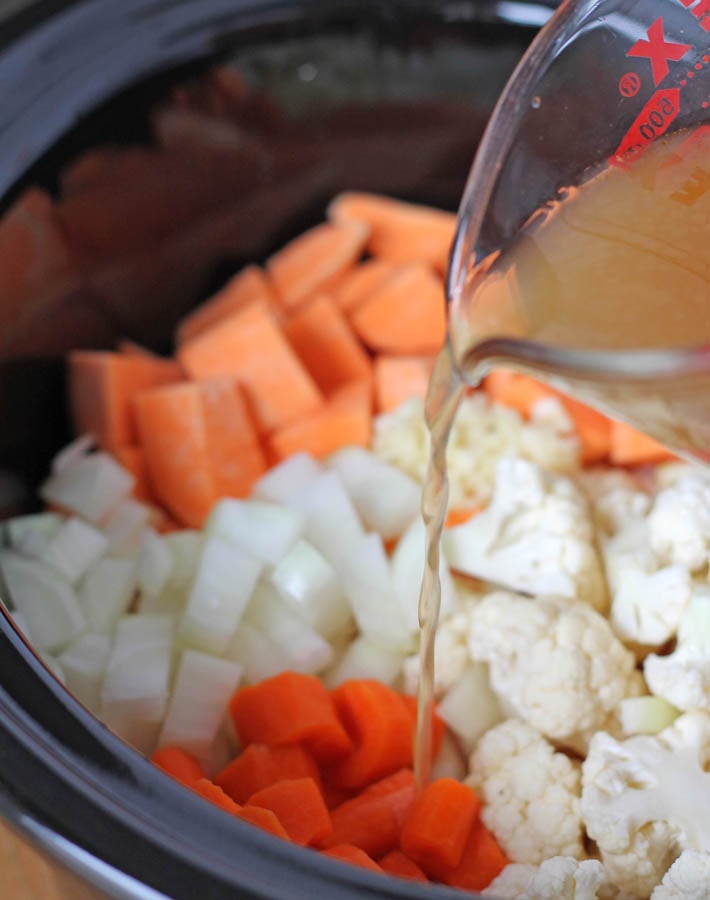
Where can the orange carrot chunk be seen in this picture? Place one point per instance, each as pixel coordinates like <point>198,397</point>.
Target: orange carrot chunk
<point>130,348</point>
<point>207,789</point>
<point>380,727</point>
<point>401,866</point>
<point>357,284</point>
<point>250,346</point>
<point>299,806</point>
<point>398,792</point>
<point>102,386</point>
<point>515,390</point>
<point>290,708</point>
<point>325,344</point>
<point>353,855</point>
<point>401,232</point>
<point>406,315</point>
<point>248,285</point>
<point>437,829</point>
<point>133,460</point>
<point>630,447</point>
<point>171,426</point>
<point>399,378</point>
<point>482,861</point>
<point>346,420</point>
<point>260,766</point>
<point>264,819</point>
<point>315,261</point>
<point>592,428</point>
<point>181,766</point>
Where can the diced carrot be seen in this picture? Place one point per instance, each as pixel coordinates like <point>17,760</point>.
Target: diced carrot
<point>482,861</point>
<point>129,348</point>
<point>460,515</point>
<point>592,428</point>
<point>401,866</point>
<point>380,727</point>
<point>359,282</point>
<point>260,766</point>
<point>298,804</point>
<point>248,285</point>
<point>515,390</point>
<point>102,386</point>
<point>438,726</point>
<point>290,708</point>
<point>250,346</point>
<point>209,790</point>
<point>400,378</point>
<point>315,261</point>
<point>133,460</point>
<point>406,315</point>
<point>334,796</point>
<point>630,447</point>
<point>401,232</point>
<point>345,420</point>
<point>436,832</point>
<point>353,855</point>
<point>181,766</point>
<point>264,819</point>
<point>233,448</point>
<point>325,344</point>
<point>373,819</point>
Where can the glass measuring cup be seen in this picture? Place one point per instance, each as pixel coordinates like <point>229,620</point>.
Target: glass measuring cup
<point>612,98</point>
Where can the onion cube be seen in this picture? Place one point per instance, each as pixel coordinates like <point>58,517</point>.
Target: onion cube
<point>106,592</point>
<point>365,659</point>
<point>265,529</point>
<point>90,487</point>
<point>84,664</point>
<point>470,707</point>
<point>74,548</point>
<point>287,478</point>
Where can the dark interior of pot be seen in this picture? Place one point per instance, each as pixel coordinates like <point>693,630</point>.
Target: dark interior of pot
<point>149,151</point>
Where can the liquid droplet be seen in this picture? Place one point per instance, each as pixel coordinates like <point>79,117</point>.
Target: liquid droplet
<point>307,72</point>
<point>536,103</point>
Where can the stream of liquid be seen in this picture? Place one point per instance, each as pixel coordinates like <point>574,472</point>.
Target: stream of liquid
<point>622,263</point>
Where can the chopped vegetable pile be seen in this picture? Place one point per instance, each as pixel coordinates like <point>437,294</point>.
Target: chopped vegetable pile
<point>228,566</point>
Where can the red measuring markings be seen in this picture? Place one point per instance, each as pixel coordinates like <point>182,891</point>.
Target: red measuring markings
<point>701,11</point>
<point>629,84</point>
<point>653,121</point>
<point>658,50</point>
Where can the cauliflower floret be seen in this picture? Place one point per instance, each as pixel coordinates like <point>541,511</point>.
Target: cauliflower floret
<point>559,878</point>
<point>482,433</point>
<point>556,663</point>
<point>646,799</point>
<point>679,524</point>
<point>535,536</point>
<point>683,677</point>
<point>687,879</point>
<point>530,793</point>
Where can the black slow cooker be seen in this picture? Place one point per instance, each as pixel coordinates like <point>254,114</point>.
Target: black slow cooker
<point>384,95</point>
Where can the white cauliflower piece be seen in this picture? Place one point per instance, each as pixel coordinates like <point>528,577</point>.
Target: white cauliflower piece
<point>687,879</point>
<point>679,523</point>
<point>559,878</point>
<point>530,793</point>
<point>648,598</point>
<point>535,536</point>
<point>450,653</point>
<point>483,433</point>
<point>646,799</point>
<point>683,677</point>
<point>556,663</point>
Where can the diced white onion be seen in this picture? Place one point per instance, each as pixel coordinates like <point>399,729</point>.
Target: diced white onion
<point>332,524</point>
<point>77,450</point>
<point>155,564</point>
<point>266,530</point>
<point>134,695</point>
<point>29,534</point>
<point>307,582</point>
<point>365,659</point>
<point>287,478</point>
<point>84,665</point>
<point>259,656</point>
<point>367,580</point>
<point>470,708</point>
<point>407,572</point>
<point>305,650</point>
<point>186,549</point>
<point>106,591</point>
<point>91,487</point>
<point>202,689</point>
<point>45,599</point>
<point>125,527</point>
<point>386,499</point>
<point>449,762</point>
<point>226,577</point>
<point>646,715</point>
<point>74,548</point>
